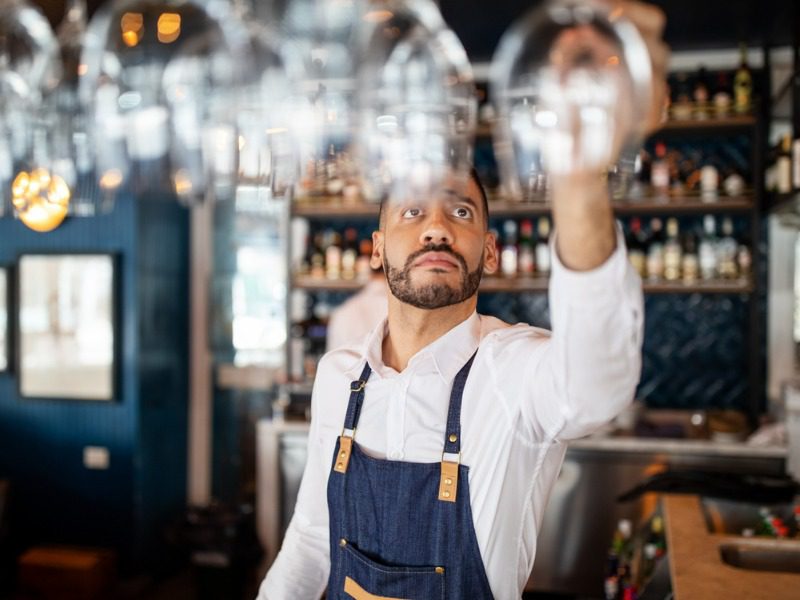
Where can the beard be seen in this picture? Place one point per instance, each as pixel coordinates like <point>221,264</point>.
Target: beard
<point>432,295</point>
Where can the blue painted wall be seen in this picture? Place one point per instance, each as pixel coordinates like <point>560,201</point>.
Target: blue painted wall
<point>55,498</point>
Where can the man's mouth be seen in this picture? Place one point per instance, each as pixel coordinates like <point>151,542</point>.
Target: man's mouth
<point>440,260</point>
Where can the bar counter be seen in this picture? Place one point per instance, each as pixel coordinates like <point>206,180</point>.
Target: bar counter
<point>696,566</point>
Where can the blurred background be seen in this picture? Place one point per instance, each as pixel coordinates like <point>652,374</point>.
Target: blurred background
<point>159,454</point>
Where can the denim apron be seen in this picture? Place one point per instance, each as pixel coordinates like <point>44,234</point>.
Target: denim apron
<point>402,530</point>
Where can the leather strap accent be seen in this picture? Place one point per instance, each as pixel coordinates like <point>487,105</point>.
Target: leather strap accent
<point>352,589</point>
<point>448,481</point>
<point>343,454</point>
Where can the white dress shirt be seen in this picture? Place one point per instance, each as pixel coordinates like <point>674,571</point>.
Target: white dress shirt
<point>529,391</point>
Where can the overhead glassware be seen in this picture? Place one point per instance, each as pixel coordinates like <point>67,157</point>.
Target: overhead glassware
<point>225,136</point>
<point>29,67</point>
<point>416,99</point>
<point>128,45</point>
<point>571,85</point>
<point>66,120</point>
<point>321,57</point>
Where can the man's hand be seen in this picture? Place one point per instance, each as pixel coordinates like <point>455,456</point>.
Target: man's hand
<point>581,205</point>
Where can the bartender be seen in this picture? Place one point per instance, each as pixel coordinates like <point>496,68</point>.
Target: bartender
<point>434,445</point>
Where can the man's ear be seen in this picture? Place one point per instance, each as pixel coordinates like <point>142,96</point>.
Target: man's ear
<point>376,260</point>
<point>490,258</point>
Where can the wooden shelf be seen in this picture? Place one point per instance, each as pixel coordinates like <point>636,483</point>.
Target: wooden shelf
<point>539,284</point>
<point>484,130</point>
<point>710,124</point>
<point>645,205</point>
<point>332,208</point>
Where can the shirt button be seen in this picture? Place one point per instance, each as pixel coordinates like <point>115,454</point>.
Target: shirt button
<point>395,455</point>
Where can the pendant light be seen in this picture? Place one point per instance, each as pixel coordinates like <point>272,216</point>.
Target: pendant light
<point>570,82</point>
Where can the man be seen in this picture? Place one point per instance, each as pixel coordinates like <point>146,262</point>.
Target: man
<point>433,447</point>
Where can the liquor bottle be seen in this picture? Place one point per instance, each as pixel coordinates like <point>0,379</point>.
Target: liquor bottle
<point>690,263</point>
<point>349,253</point>
<point>707,252</point>
<point>783,166</point>
<point>672,252</point>
<point>318,257</point>
<point>727,248</point>
<point>722,96</point>
<point>744,259</point>
<point>743,85</point>
<point>700,95</point>
<point>543,246</point>
<point>682,103</point>
<point>363,268</point>
<point>655,251</point>
<point>709,183</point>
<point>333,255</point>
<point>527,258</point>
<point>508,256</point>
<point>636,247</point>
<point>796,164</point>
<point>659,171</point>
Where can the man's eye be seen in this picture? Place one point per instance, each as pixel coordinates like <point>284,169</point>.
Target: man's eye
<point>411,212</point>
<point>462,212</point>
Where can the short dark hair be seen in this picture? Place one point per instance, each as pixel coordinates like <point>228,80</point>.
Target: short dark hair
<point>473,174</point>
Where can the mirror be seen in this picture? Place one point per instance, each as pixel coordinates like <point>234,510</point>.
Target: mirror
<point>67,336</point>
<point>3,320</point>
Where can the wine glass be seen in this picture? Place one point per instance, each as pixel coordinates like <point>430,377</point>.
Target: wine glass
<point>416,99</point>
<point>129,44</point>
<point>227,135</point>
<point>571,85</point>
<point>321,56</point>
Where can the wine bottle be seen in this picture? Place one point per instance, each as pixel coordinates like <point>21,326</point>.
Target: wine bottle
<point>743,84</point>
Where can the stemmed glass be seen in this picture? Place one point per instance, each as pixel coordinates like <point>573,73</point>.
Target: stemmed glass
<point>416,100</point>
<point>128,46</point>
<point>571,85</point>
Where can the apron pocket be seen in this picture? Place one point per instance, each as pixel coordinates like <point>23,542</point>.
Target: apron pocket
<point>367,579</point>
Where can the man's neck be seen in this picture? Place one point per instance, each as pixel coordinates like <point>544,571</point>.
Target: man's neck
<point>411,328</point>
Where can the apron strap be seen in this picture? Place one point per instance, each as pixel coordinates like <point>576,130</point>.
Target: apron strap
<point>351,420</point>
<point>451,457</point>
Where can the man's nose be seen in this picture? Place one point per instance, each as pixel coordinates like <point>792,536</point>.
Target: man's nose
<point>437,230</point>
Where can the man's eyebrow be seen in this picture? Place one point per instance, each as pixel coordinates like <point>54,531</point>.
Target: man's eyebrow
<point>462,198</point>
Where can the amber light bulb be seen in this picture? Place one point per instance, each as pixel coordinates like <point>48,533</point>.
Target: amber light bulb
<point>41,199</point>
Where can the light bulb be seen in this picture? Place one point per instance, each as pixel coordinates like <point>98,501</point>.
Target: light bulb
<point>417,101</point>
<point>41,199</point>
<point>570,82</point>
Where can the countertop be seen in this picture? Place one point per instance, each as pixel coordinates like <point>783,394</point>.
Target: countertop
<point>676,446</point>
<point>698,572</point>
<point>622,444</point>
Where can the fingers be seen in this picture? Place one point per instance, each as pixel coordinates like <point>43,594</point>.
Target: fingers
<point>649,19</point>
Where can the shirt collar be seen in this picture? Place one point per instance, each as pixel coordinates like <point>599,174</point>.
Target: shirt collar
<point>448,353</point>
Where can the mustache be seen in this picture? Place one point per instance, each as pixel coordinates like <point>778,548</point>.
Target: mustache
<point>443,248</point>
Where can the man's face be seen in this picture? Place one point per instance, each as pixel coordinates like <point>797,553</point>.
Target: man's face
<point>434,251</point>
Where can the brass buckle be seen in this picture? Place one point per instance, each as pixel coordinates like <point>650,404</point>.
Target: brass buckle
<point>361,383</point>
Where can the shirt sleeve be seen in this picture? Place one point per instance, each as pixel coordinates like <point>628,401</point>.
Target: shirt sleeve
<point>300,571</point>
<point>588,371</point>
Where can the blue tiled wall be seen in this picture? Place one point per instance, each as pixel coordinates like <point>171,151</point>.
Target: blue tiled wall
<point>55,498</point>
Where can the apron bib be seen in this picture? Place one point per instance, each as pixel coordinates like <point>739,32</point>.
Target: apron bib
<point>402,530</point>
